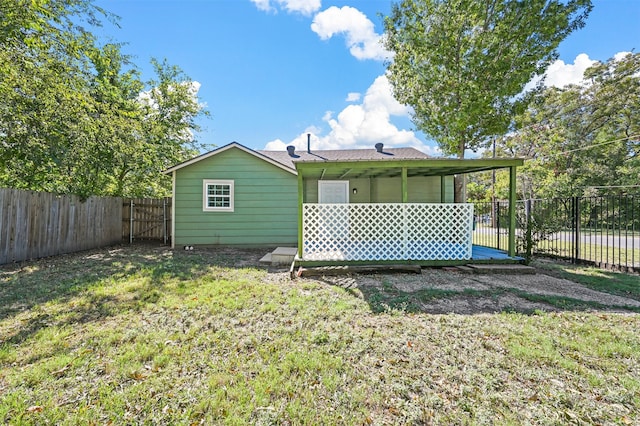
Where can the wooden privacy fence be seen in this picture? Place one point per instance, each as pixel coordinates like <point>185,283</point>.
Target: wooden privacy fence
<point>37,224</point>
<point>146,219</point>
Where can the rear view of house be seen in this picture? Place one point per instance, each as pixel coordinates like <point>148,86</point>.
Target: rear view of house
<point>234,196</point>
<point>356,205</point>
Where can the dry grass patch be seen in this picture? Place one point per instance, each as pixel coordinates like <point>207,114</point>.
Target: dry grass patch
<point>133,335</point>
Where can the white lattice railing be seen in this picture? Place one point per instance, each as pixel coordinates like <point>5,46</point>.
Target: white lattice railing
<point>387,231</point>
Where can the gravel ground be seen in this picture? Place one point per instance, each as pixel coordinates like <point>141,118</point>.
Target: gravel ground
<point>533,284</point>
<point>496,300</point>
<point>479,293</point>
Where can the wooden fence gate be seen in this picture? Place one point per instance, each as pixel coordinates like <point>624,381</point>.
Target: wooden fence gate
<point>146,219</point>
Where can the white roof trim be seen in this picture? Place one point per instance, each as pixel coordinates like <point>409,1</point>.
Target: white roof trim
<point>223,149</point>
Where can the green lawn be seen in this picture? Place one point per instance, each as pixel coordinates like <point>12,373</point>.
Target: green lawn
<point>592,252</point>
<point>141,335</point>
<point>622,256</point>
<point>620,284</point>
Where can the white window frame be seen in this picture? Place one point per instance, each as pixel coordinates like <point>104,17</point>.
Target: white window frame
<point>205,195</point>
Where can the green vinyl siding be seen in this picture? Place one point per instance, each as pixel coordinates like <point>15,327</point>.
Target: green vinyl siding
<point>386,190</point>
<point>426,189</point>
<point>265,203</point>
<point>421,189</point>
<point>362,186</point>
<point>311,190</point>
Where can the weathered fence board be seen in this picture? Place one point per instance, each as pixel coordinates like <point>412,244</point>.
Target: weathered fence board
<point>36,224</point>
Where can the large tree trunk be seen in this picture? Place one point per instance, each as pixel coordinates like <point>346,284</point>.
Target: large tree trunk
<point>459,189</point>
<point>459,181</point>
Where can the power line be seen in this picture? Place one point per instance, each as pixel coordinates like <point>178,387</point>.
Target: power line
<point>599,144</point>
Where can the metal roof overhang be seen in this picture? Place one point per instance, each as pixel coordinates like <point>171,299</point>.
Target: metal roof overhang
<point>329,170</point>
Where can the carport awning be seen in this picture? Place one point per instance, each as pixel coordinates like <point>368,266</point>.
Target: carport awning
<point>393,168</point>
<point>405,168</point>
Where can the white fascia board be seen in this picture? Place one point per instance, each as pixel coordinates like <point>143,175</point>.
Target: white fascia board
<point>223,149</point>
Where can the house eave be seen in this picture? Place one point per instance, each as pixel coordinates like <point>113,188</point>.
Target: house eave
<point>390,168</point>
<point>224,148</point>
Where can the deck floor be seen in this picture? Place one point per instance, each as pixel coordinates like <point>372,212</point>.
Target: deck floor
<point>479,254</point>
<point>488,253</point>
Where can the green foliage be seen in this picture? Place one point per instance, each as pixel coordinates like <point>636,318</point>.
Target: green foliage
<point>540,223</point>
<point>462,64</point>
<point>75,116</point>
<point>581,136</point>
<point>476,192</point>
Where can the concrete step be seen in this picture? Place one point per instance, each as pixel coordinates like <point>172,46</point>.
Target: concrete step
<point>280,256</point>
<point>283,255</point>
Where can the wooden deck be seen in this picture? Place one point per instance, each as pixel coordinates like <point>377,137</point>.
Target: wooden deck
<point>488,253</point>
<point>479,255</point>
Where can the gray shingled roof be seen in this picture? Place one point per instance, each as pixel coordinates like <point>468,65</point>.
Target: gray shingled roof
<point>387,154</point>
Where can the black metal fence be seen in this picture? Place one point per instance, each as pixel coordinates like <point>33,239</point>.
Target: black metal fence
<point>601,231</point>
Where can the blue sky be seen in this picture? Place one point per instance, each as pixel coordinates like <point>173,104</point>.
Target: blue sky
<point>271,71</point>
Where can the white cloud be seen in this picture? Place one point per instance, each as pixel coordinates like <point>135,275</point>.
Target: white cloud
<point>380,94</point>
<point>275,145</point>
<point>362,40</point>
<point>560,74</point>
<point>362,125</point>
<point>263,5</point>
<point>620,55</point>
<point>304,7</point>
<point>353,97</point>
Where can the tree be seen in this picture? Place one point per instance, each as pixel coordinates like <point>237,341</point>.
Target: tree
<point>581,137</point>
<point>170,109</point>
<point>461,64</point>
<point>42,80</point>
<point>75,116</point>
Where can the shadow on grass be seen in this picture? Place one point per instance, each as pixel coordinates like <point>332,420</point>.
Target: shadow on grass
<point>79,283</point>
<point>383,295</point>
<point>617,283</point>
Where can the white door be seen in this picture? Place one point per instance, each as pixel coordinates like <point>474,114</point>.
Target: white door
<point>334,220</point>
<point>333,191</point>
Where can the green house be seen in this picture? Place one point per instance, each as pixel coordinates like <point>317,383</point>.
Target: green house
<point>234,196</point>
<point>358,205</point>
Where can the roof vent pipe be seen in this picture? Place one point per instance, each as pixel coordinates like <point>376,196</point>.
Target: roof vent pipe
<point>309,143</point>
<point>379,147</point>
<point>291,150</point>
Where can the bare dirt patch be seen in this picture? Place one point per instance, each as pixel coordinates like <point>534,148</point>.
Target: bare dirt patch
<point>439,290</point>
<point>446,291</point>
